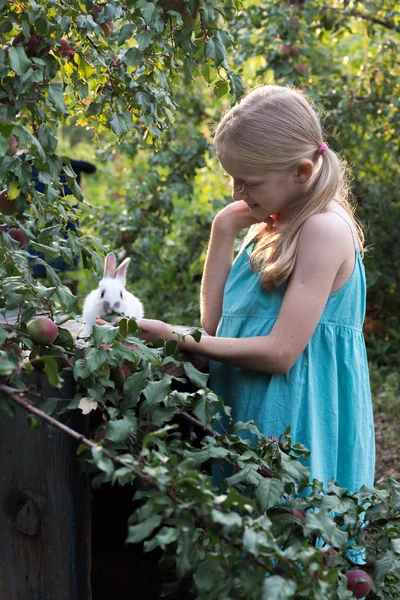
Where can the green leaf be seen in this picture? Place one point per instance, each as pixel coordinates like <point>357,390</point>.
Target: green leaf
<point>167,535</point>
<point>216,50</point>
<point>138,533</point>
<point>157,391</point>
<point>278,588</point>
<point>148,11</point>
<point>84,69</point>
<point>5,132</point>
<point>118,125</point>
<point>198,378</point>
<point>57,97</point>
<point>49,406</point>
<point>19,62</point>
<point>322,524</point>
<point>118,431</point>
<point>6,366</point>
<point>229,519</point>
<point>102,462</point>
<point>3,335</point>
<point>95,357</point>
<point>133,387</point>
<point>81,370</point>
<point>269,493</point>
<point>103,334</point>
<point>221,88</point>
<point>144,39</point>
<point>51,370</point>
<point>210,578</point>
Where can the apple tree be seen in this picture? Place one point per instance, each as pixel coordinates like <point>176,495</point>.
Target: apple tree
<point>121,68</point>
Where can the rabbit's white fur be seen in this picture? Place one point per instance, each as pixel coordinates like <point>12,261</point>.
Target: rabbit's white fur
<point>111,296</point>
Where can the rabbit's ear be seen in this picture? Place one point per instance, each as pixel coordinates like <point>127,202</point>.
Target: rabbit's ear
<point>120,273</point>
<point>109,265</point>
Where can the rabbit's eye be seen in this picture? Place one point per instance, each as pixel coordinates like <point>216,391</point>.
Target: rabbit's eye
<point>121,295</point>
<point>102,293</point>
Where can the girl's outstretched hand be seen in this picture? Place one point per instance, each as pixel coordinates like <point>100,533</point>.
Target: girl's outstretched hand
<point>152,330</point>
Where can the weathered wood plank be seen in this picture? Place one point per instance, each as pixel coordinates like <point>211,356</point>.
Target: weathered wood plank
<point>45,541</point>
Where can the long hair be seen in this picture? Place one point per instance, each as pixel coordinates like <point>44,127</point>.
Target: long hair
<point>274,128</point>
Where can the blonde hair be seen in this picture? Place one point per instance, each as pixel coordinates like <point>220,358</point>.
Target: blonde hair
<point>275,127</point>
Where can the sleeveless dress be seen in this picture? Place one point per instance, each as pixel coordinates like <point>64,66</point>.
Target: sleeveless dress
<point>325,397</point>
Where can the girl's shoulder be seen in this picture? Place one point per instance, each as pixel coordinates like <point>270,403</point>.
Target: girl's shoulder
<point>335,220</point>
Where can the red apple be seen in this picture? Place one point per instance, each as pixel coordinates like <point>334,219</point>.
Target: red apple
<point>329,558</point>
<point>176,5</point>
<point>19,39</point>
<point>95,11</point>
<point>12,146</point>
<point>358,582</point>
<point>119,375</point>
<point>107,27</point>
<point>66,49</point>
<point>302,69</point>
<point>284,50</point>
<point>7,207</point>
<point>43,330</point>
<point>17,234</point>
<point>294,22</point>
<point>298,514</point>
<point>133,363</point>
<point>14,348</point>
<point>32,44</point>
<point>100,432</point>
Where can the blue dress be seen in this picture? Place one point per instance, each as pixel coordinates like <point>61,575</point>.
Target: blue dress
<point>325,397</point>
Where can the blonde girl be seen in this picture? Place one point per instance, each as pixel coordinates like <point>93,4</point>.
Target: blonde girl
<point>284,320</point>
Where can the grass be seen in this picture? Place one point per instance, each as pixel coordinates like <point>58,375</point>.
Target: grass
<point>385,385</point>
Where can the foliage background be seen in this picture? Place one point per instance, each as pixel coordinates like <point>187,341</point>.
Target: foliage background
<point>142,104</point>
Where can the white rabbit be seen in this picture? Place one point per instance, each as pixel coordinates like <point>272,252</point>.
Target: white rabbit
<point>111,296</point>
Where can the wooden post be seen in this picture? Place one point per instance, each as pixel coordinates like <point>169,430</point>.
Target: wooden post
<point>45,541</point>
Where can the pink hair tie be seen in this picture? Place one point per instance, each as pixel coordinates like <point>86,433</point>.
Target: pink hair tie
<point>322,148</point>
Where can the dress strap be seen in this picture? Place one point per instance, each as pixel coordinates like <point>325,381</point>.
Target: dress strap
<point>355,241</point>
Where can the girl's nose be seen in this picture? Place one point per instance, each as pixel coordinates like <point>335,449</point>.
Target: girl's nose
<point>238,193</point>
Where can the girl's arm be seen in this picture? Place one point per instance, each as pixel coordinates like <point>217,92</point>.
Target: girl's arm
<point>322,249</point>
<point>225,227</point>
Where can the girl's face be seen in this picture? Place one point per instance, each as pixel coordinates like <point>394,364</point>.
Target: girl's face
<point>265,193</point>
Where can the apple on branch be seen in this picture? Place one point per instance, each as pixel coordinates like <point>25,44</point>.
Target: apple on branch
<point>42,330</point>
<point>66,49</point>
<point>8,207</point>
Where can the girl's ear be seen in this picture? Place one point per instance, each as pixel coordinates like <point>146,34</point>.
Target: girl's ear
<point>109,265</point>
<point>303,171</point>
<point>120,273</point>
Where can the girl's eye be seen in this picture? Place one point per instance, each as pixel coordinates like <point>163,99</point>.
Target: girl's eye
<point>102,294</point>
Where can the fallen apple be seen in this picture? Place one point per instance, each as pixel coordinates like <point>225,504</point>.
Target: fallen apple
<point>358,582</point>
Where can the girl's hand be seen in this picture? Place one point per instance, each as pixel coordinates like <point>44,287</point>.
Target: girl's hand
<point>234,217</point>
<point>152,330</point>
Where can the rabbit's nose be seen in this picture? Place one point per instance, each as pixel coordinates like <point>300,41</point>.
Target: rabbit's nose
<point>117,304</point>
<point>106,306</point>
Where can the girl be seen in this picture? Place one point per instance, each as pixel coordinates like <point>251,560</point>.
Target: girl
<point>284,322</point>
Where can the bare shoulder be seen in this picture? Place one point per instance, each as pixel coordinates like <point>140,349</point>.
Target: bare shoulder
<point>327,230</point>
